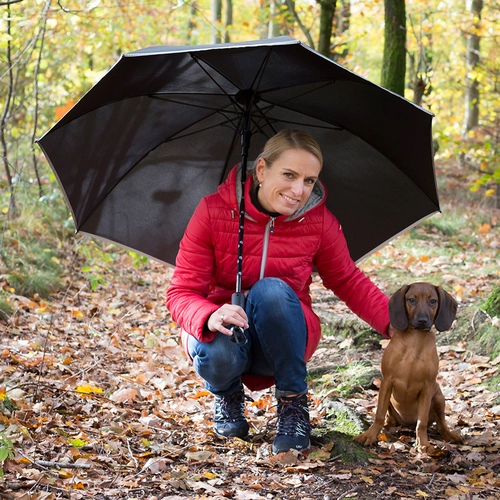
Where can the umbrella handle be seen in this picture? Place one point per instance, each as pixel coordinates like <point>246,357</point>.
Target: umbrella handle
<point>238,299</point>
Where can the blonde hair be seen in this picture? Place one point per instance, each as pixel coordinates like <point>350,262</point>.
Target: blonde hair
<point>289,139</point>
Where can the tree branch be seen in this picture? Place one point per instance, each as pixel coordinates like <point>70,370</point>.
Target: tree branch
<point>291,7</point>
<point>10,2</point>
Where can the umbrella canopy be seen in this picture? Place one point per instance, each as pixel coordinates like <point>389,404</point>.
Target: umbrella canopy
<point>162,129</point>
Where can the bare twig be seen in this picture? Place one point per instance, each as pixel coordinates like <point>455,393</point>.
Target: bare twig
<point>132,455</point>
<point>352,490</point>
<point>19,486</point>
<point>61,465</point>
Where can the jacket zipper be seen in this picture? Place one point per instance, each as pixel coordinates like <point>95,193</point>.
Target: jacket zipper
<point>265,246</point>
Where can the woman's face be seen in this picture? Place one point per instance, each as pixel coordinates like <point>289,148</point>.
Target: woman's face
<point>287,184</point>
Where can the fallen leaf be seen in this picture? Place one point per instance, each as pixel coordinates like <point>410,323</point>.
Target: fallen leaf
<point>200,456</point>
<point>124,395</point>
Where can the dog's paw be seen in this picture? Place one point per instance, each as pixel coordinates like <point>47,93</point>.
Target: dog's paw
<point>453,437</point>
<point>367,438</point>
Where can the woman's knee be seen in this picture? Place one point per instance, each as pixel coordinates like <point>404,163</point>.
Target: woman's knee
<point>218,360</point>
<point>272,291</point>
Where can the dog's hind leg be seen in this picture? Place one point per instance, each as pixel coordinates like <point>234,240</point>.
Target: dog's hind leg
<point>437,415</point>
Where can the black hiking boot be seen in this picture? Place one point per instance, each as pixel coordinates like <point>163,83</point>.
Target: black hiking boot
<point>229,415</point>
<point>294,429</point>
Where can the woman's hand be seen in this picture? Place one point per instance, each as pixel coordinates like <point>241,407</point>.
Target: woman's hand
<point>226,315</point>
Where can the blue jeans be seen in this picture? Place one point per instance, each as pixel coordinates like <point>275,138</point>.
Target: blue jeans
<point>276,344</point>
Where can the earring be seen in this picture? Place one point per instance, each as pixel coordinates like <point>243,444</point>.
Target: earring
<point>260,184</point>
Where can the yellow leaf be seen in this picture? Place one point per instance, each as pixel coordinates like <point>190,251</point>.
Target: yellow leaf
<point>5,210</point>
<point>424,258</point>
<point>64,474</point>
<point>421,493</point>
<point>3,393</point>
<point>490,192</point>
<point>88,389</point>
<point>458,290</point>
<point>55,260</point>
<point>367,479</point>
<point>210,475</point>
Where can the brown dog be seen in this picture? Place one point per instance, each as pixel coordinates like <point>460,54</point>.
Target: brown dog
<point>409,393</point>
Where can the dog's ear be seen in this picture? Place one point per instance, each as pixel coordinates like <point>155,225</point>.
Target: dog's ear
<point>397,309</point>
<point>447,310</point>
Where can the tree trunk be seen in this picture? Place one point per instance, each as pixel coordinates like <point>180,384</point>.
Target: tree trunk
<point>216,21</point>
<point>229,20</point>
<point>191,24</point>
<point>394,61</point>
<point>278,24</point>
<point>327,14</point>
<point>471,118</point>
<point>36,97</point>
<point>343,21</point>
<point>6,108</point>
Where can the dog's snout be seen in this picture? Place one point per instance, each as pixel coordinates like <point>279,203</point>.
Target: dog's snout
<point>422,321</point>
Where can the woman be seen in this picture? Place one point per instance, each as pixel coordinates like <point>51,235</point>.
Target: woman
<point>288,232</point>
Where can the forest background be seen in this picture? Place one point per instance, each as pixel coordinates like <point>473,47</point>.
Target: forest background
<point>53,51</point>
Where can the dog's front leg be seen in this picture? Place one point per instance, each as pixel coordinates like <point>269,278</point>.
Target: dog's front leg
<point>424,405</point>
<point>371,434</point>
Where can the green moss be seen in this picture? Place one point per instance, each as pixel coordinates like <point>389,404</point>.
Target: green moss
<point>492,304</point>
<point>339,426</point>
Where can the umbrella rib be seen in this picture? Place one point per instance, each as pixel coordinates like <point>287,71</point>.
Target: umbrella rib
<point>199,106</point>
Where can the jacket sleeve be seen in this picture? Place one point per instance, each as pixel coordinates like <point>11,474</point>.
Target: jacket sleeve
<point>341,275</point>
<point>187,294</point>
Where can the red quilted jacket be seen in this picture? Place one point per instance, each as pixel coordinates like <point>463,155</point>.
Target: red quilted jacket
<point>205,273</point>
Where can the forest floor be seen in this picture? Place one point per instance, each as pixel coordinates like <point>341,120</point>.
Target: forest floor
<point>97,399</point>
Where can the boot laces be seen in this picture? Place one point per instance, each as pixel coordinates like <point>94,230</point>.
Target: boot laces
<point>293,417</point>
<point>230,408</point>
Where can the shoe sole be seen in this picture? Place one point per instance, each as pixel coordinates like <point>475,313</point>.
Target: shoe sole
<point>290,449</point>
<point>232,435</point>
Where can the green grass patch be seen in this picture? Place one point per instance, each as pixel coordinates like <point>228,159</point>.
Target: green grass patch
<point>6,308</point>
<point>493,384</point>
<point>33,243</point>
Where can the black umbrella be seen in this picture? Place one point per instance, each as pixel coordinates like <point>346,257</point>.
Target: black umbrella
<point>165,125</point>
